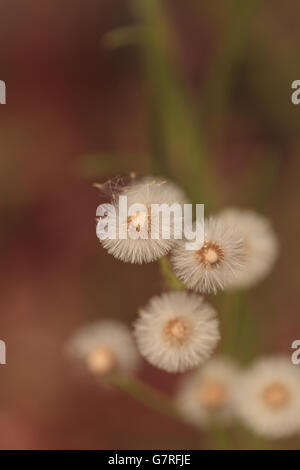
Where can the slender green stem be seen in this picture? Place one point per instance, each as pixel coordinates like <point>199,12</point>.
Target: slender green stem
<point>221,438</point>
<point>230,306</point>
<point>167,272</point>
<point>241,18</point>
<point>177,140</point>
<point>123,37</point>
<point>146,395</point>
<point>247,440</point>
<point>240,339</point>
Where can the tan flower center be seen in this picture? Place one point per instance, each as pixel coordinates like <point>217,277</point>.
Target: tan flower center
<point>101,360</point>
<point>213,395</point>
<point>211,254</point>
<point>276,395</point>
<point>140,220</point>
<point>177,331</point>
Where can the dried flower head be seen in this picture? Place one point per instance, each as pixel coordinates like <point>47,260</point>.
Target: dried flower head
<point>205,396</point>
<point>260,243</point>
<point>214,264</point>
<point>177,331</point>
<point>105,347</point>
<point>140,246</point>
<point>268,397</point>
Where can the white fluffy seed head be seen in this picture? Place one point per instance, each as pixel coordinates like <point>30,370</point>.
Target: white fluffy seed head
<point>260,243</point>
<point>177,331</point>
<point>216,263</point>
<point>143,248</point>
<point>206,395</point>
<point>105,347</point>
<point>267,398</point>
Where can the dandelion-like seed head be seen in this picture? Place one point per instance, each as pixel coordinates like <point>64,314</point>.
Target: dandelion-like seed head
<point>105,347</point>
<point>260,244</point>
<point>215,263</point>
<point>177,331</point>
<point>268,397</point>
<point>206,395</point>
<point>140,245</point>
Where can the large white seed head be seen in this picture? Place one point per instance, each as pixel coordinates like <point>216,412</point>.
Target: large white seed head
<point>267,398</point>
<point>140,246</point>
<point>177,331</point>
<point>215,263</point>
<point>205,396</point>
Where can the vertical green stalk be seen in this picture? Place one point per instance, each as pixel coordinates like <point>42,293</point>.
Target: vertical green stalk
<point>167,272</point>
<point>241,16</point>
<point>177,141</point>
<point>240,329</point>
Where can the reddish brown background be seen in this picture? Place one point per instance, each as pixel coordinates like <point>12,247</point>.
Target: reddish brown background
<point>68,96</point>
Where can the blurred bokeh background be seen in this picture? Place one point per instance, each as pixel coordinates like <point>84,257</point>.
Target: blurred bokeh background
<point>196,91</point>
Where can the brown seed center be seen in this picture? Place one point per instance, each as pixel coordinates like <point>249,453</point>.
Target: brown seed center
<point>210,255</point>
<point>140,220</point>
<point>101,360</point>
<point>276,395</point>
<point>213,395</point>
<point>177,331</point>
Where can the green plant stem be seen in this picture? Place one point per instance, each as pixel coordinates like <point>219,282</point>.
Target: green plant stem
<point>247,440</point>
<point>176,137</point>
<point>221,438</point>
<point>240,325</point>
<point>230,306</point>
<point>120,37</point>
<point>167,272</point>
<point>241,17</point>
<point>146,395</point>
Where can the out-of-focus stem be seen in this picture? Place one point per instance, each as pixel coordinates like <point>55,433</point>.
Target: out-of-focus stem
<point>247,440</point>
<point>240,337</point>
<point>146,395</point>
<point>230,306</point>
<point>222,438</point>
<point>241,16</point>
<point>167,272</point>
<point>177,140</point>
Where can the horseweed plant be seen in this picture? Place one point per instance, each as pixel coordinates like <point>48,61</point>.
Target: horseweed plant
<point>179,329</point>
